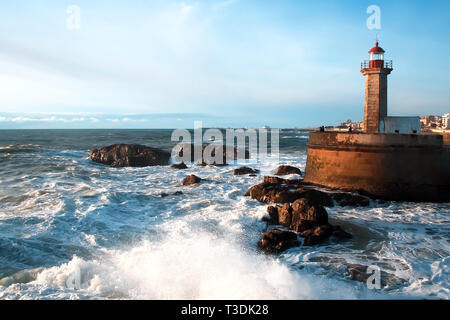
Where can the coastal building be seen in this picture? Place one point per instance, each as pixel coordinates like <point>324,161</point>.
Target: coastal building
<point>390,158</point>
<point>446,121</point>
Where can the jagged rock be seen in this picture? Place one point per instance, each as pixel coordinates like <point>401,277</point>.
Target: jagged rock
<point>348,199</point>
<point>130,155</point>
<point>273,214</point>
<point>318,235</point>
<point>316,196</point>
<point>191,179</point>
<point>179,166</point>
<point>277,180</point>
<point>277,190</point>
<point>285,215</point>
<point>305,209</point>
<point>301,216</point>
<point>244,170</point>
<point>285,170</point>
<point>202,164</point>
<point>209,151</point>
<point>276,241</point>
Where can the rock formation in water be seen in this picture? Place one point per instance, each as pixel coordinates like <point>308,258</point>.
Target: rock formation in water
<point>211,154</point>
<point>130,155</point>
<point>276,241</point>
<point>278,190</point>
<point>284,170</point>
<point>301,209</point>
<point>179,166</point>
<point>191,179</point>
<point>244,170</point>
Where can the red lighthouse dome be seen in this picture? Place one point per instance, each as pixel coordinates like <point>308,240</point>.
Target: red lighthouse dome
<point>376,57</point>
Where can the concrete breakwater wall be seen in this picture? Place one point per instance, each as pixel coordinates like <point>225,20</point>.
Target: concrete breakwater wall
<point>388,166</point>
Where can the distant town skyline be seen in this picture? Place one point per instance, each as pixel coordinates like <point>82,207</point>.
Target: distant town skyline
<point>229,63</point>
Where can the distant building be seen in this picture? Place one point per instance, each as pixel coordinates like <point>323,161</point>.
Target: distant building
<point>446,121</point>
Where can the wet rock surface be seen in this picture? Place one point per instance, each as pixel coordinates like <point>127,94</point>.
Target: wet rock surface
<point>190,180</point>
<point>244,170</point>
<point>179,166</point>
<point>209,154</point>
<point>362,273</point>
<point>129,155</point>
<point>279,190</point>
<point>284,170</point>
<point>300,209</point>
<point>276,241</point>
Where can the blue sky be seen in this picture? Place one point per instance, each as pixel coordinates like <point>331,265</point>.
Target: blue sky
<point>229,63</point>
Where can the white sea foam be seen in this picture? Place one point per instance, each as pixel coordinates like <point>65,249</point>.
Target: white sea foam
<point>113,228</point>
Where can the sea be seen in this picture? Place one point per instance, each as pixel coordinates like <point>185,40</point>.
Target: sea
<point>74,229</point>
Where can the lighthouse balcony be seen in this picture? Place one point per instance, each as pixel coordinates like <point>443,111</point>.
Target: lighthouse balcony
<point>382,64</point>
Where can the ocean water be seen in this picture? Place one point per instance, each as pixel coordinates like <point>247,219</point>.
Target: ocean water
<point>74,229</point>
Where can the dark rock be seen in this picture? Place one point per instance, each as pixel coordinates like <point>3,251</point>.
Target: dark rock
<point>130,155</point>
<point>303,225</point>
<point>316,196</point>
<point>202,164</point>
<point>305,209</point>
<point>285,170</point>
<point>360,273</point>
<point>301,216</point>
<point>244,170</point>
<point>277,180</point>
<point>276,241</point>
<point>285,215</point>
<point>179,166</point>
<point>209,151</point>
<point>319,235</point>
<point>273,214</point>
<point>277,190</point>
<point>271,193</point>
<point>191,179</point>
<point>163,194</point>
<point>348,199</point>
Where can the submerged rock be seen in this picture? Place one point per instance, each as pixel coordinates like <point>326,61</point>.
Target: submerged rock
<point>285,170</point>
<point>276,241</point>
<point>179,166</point>
<point>317,235</point>
<point>191,179</point>
<point>186,152</point>
<point>130,155</point>
<point>244,170</point>
<point>348,199</point>
<point>362,273</point>
<point>176,193</point>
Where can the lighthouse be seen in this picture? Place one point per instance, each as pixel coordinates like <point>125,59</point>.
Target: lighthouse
<point>390,159</point>
<point>376,71</point>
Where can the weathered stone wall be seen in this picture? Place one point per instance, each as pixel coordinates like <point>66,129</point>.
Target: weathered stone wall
<point>375,106</point>
<point>387,166</point>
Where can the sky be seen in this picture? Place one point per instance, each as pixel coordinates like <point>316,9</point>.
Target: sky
<point>227,63</point>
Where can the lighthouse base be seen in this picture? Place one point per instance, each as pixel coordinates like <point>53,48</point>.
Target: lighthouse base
<point>405,167</point>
